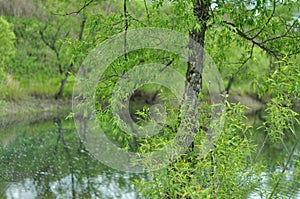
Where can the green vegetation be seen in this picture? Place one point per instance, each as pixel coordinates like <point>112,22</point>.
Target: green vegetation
<point>254,44</point>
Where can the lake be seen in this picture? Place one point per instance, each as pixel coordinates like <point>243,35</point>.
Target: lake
<point>47,160</point>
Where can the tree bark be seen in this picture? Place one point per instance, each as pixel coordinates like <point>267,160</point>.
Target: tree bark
<point>196,58</point>
<point>194,72</point>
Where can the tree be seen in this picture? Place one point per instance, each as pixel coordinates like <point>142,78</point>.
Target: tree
<point>227,170</point>
<point>250,25</point>
<point>58,34</point>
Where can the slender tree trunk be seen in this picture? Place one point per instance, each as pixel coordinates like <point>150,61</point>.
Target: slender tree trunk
<point>64,81</point>
<point>229,84</point>
<point>62,87</point>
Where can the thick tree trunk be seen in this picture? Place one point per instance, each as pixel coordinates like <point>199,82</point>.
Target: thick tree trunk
<point>195,64</point>
<point>196,58</point>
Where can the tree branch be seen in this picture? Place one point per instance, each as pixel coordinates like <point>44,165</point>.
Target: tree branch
<point>294,53</point>
<point>233,75</point>
<point>76,12</point>
<point>126,28</point>
<point>147,11</point>
<point>52,46</point>
<point>45,40</point>
<point>283,35</point>
<point>167,65</point>
<point>285,168</point>
<point>82,26</point>
<point>269,19</point>
<point>253,40</point>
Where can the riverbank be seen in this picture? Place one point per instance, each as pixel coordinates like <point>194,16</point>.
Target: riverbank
<point>32,110</point>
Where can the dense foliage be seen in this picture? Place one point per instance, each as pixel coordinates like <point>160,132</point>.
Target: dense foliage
<point>254,44</point>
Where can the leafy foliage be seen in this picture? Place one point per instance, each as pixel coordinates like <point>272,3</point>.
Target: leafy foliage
<point>7,36</point>
<point>252,42</point>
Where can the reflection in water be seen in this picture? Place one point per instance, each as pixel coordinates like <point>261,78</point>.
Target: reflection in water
<point>49,161</point>
<point>63,188</point>
<point>21,190</point>
<point>281,176</point>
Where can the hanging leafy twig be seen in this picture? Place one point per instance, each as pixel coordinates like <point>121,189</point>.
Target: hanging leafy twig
<point>253,40</point>
<point>269,19</point>
<point>233,75</point>
<point>283,35</point>
<point>285,167</point>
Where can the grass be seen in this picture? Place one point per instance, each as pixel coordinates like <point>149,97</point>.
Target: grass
<point>18,90</point>
<point>11,89</point>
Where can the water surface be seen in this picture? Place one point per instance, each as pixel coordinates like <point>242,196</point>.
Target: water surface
<point>47,160</point>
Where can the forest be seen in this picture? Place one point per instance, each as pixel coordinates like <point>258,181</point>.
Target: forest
<point>150,99</point>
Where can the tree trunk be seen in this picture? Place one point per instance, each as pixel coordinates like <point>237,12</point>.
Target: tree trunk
<point>196,63</point>
<point>230,82</point>
<point>62,87</point>
<point>196,58</point>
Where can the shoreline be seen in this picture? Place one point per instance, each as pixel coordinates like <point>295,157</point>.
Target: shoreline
<point>32,110</point>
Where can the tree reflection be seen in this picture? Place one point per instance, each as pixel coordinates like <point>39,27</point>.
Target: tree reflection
<point>51,161</point>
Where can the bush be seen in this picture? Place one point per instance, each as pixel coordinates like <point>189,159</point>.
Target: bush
<point>7,38</point>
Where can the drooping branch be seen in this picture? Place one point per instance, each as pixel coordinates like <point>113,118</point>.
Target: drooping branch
<point>82,26</point>
<point>269,19</point>
<point>233,75</point>
<point>286,165</point>
<point>167,65</point>
<point>285,35</point>
<point>50,45</point>
<point>253,40</point>
<point>68,71</point>
<point>294,53</point>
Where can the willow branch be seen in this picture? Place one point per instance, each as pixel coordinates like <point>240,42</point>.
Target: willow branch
<point>269,19</point>
<point>167,65</point>
<point>283,35</point>
<point>253,40</point>
<point>233,75</point>
<point>284,168</point>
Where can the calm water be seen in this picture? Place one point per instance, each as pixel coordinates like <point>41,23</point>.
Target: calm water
<point>47,160</point>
